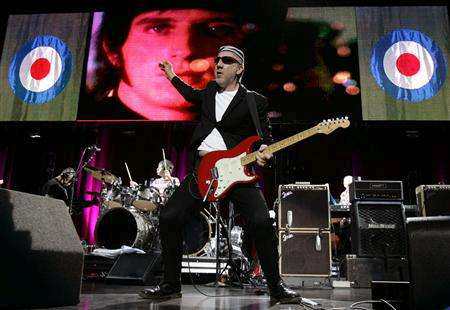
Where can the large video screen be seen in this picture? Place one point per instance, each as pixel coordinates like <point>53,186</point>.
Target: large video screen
<point>376,63</point>
<point>291,57</point>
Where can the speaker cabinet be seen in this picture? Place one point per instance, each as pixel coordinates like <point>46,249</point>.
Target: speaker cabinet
<point>42,258</point>
<point>138,269</point>
<point>433,200</point>
<point>378,229</point>
<point>305,253</point>
<point>308,204</point>
<point>429,263</point>
<point>361,271</point>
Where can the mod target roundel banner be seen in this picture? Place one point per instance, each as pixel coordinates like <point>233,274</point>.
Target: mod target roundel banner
<point>408,65</point>
<point>40,70</point>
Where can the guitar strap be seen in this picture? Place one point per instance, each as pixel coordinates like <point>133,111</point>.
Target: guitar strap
<point>254,112</point>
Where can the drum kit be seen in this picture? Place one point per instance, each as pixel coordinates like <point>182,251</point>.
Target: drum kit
<point>130,216</point>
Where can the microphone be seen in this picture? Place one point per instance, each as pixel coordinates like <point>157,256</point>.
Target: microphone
<point>94,148</point>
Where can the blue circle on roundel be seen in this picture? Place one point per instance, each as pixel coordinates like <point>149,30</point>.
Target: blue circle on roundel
<point>412,95</point>
<point>40,97</point>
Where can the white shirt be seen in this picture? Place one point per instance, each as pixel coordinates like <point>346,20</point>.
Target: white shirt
<point>161,184</point>
<point>345,197</point>
<point>214,141</point>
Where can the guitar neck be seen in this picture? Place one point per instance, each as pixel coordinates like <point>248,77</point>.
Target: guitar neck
<point>249,158</point>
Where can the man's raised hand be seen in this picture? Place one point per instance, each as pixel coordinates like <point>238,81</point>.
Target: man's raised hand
<point>166,67</point>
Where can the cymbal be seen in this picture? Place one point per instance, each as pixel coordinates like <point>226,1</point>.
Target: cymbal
<point>101,174</point>
<point>92,168</point>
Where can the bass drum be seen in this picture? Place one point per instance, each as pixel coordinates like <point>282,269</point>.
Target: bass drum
<point>125,226</point>
<point>196,234</point>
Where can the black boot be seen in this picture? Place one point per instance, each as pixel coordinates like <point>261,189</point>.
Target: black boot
<point>163,291</point>
<point>283,294</point>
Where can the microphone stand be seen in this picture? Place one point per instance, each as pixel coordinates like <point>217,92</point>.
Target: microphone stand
<point>81,164</point>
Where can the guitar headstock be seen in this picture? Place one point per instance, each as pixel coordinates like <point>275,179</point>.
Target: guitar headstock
<point>330,125</point>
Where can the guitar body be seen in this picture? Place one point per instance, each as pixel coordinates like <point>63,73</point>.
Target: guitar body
<point>228,169</point>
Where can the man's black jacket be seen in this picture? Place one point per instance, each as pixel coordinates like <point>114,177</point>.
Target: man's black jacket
<point>236,123</point>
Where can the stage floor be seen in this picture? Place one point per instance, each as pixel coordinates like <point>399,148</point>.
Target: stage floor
<point>106,296</point>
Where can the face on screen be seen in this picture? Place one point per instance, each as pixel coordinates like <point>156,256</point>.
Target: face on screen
<point>189,39</point>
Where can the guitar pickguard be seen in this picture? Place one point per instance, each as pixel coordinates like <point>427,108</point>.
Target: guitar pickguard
<point>230,171</point>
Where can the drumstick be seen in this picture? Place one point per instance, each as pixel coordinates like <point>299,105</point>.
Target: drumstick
<point>128,171</point>
<point>164,159</point>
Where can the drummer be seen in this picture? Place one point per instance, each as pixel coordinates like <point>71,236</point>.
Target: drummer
<point>165,180</point>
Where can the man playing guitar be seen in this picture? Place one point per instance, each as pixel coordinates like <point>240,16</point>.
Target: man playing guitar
<point>225,121</point>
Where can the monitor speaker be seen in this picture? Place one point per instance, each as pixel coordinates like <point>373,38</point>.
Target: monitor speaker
<point>137,269</point>
<point>41,259</point>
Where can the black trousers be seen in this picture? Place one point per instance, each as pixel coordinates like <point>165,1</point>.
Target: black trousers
<point>248,200</point>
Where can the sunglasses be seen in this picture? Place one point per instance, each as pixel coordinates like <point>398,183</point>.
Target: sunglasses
<point>227,60</point>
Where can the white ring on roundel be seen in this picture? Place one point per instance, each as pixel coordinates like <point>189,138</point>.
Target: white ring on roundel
<point>422,77</point>
<point>31,84</point>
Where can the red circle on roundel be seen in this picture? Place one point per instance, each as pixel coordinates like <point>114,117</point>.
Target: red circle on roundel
<point>408,64</point>
<point>40,68</point>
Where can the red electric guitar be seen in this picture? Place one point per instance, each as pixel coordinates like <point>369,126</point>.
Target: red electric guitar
<point>219,171</point>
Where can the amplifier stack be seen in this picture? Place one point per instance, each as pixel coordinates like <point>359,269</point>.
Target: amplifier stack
<point>304,230</point>
<point>378,230</point>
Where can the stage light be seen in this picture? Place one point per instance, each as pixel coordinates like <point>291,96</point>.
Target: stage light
<point>199,65</point>
<point>343,51</point>
<point>352,90</point>
<point>341,76</point>
<point>349,82</point>
<point>289,87</point>
<point>277,67</point>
